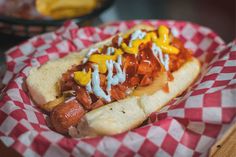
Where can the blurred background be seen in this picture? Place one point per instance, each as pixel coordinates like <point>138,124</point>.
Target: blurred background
<point>219,15</point>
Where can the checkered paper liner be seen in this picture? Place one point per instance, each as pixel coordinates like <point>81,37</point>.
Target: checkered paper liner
<point>187,126</point>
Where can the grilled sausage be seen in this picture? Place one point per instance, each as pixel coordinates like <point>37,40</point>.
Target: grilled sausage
<point>65,115</point>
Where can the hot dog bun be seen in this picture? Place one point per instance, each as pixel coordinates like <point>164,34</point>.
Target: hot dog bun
<point>42,81</point>
<point>115,117</point>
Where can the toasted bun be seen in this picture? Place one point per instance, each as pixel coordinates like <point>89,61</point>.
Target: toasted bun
<point>42,82</point>
<point>129,113</point>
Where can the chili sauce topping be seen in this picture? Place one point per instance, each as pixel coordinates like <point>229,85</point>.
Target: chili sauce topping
<point>113,71</point>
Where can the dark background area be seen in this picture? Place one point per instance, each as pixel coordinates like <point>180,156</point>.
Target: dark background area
<point>219,15</point>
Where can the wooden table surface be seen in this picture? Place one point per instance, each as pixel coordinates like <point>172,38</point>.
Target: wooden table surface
<point>226,146</point>
<point>8,152</point>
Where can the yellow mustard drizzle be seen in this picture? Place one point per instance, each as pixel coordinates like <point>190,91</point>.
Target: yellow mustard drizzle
<point>82,77</point>
<point>133,49</point>
<point>163,41</point>
<point>101,59</point>
<point>135,44</point>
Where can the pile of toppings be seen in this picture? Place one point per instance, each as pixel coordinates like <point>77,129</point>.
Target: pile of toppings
<point>112,72</point>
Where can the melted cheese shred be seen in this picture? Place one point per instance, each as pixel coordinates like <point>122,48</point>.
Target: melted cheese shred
<point>157,52</point>
<point>120,75</point>
<point>90,52</point>
<point>96,85</point>
<point>111,80</point>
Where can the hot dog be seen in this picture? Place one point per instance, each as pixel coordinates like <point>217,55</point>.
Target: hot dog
<point>114,85</point>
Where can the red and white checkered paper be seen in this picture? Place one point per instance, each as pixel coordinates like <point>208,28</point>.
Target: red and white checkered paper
<point>188,126</point>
